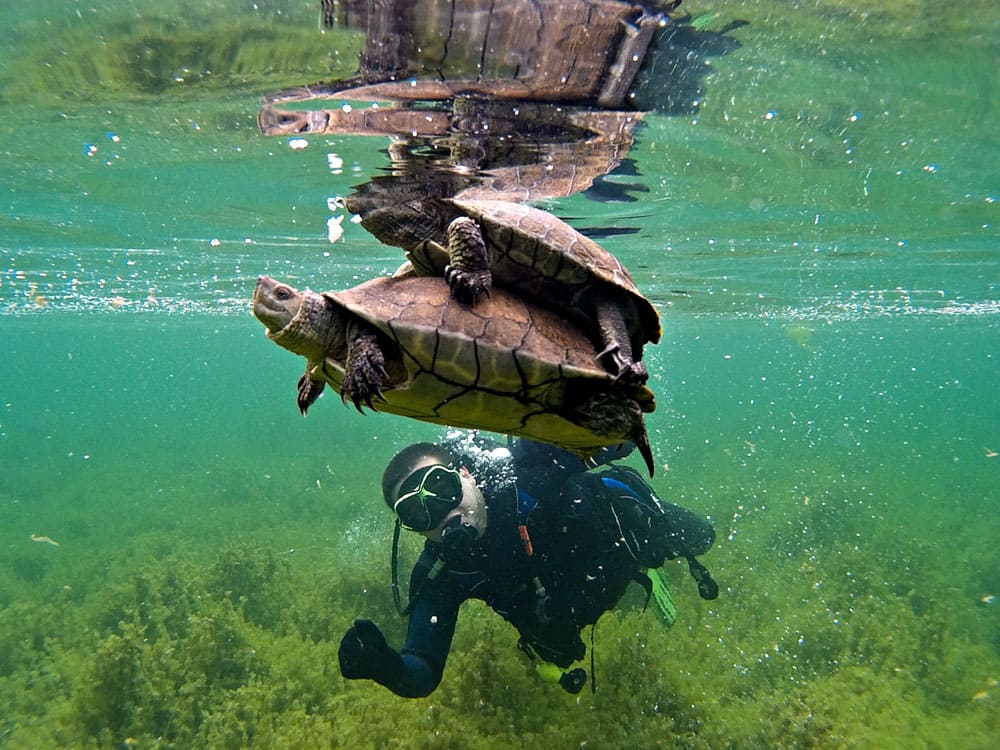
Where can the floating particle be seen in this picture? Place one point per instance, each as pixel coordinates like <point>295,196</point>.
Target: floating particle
<point>214,242</point>
<point>334,230</point>
<point>114,138</point>
<point>297,144</point>
<point>89,149</point>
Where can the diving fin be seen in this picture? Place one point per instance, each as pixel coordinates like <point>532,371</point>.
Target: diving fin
<point>662,597</point>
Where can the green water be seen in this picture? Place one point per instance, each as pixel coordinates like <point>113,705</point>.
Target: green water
<point>820,235</point>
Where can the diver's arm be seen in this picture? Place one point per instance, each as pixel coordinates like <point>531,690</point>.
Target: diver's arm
<point>428,640</point>
<point>416,672</point>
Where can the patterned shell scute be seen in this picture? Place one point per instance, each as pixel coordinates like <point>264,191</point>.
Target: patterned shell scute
<point>503,365</point>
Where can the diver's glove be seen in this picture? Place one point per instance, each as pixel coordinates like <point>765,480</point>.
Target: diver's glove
<point>707,587</point>
<point>364,654</point>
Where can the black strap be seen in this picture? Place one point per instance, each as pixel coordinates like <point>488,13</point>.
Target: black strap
<point>395,573</point>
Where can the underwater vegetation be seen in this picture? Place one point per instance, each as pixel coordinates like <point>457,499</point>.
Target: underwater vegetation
<point>238,650</point>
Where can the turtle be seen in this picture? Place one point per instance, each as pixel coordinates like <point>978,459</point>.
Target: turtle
<point>473,243</point>
<point>405,346</point>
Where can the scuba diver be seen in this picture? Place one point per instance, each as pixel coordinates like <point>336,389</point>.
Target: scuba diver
<point>549,544</point>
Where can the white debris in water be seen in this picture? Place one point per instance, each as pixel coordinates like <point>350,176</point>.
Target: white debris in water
<point>335,162</point>
<point>297,144</point>
<point>334,230</point>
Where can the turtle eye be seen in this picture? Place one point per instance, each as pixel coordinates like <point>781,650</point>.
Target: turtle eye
<point>282,292</point>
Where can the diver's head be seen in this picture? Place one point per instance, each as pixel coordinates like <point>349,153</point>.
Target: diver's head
<point>426,490</point>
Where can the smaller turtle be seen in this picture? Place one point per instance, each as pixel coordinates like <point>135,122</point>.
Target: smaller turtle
<point>405,346</point>
<point>473,243</point>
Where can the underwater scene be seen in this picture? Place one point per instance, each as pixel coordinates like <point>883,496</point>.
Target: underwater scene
<point>810,201</point>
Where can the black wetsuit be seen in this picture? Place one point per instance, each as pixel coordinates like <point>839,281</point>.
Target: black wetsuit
<point>578,554</point>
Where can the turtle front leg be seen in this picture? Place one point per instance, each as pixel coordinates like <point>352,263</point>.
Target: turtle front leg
<point>364,370</point>
<point>309,391</point>
<point>617,352</point>
<point>468,272</point>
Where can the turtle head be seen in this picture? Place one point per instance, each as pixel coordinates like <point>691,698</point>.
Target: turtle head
<point>275,304</point>
<point>297,321</point>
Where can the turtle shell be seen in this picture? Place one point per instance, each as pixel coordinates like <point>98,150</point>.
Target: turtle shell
<point>505,365</point>
<point>534,253</point>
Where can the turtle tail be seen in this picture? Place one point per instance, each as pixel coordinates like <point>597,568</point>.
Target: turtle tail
<point>641,440</point>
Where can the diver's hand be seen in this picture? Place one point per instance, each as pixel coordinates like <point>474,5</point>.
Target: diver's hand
<point>364,654</point>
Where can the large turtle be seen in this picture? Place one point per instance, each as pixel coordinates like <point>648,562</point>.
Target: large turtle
<point>405,346</point>
<point>473,243</point>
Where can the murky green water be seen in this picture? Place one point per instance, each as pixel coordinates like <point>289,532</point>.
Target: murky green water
<point>820,234</point>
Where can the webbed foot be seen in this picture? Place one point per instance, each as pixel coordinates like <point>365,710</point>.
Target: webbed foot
<point>468,274</point>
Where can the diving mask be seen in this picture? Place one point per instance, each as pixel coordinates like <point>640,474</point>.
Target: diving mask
<point>428,495</point>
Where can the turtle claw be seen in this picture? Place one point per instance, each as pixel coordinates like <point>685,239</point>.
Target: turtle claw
<point>628,372</point>
<point>309,390</point>
<point>634,373</point>
<point>364,370</point>
<point>468,286</point>
<point>363,382</point>
<point>367,399</point>
<point>362,392</point>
